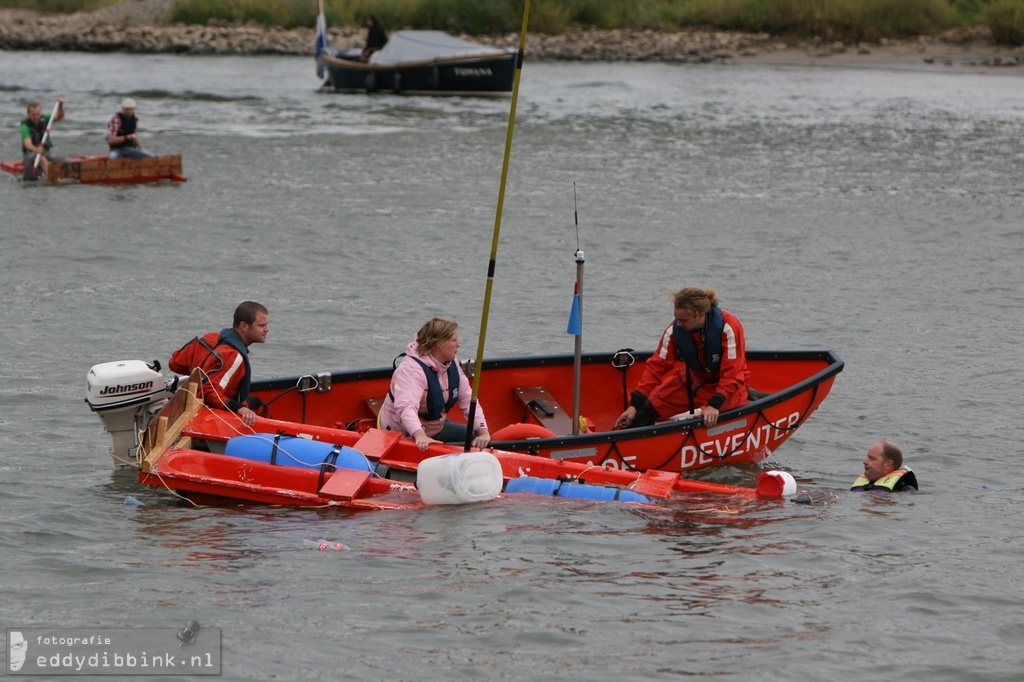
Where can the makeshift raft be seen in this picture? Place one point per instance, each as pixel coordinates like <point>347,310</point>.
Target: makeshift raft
<point>102,170</point>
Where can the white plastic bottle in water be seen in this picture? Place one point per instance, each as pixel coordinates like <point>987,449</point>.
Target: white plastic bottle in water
<point>459,478</point>
<point>326,545</point>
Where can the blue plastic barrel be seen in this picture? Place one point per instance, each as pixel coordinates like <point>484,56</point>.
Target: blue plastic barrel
<point>580,491</point>
<point>532,485</point>
<point>601,492</point>
<point>290,451</point>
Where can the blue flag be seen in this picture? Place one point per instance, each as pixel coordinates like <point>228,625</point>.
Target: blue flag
<point>321,38</point>
<point>575,324</point>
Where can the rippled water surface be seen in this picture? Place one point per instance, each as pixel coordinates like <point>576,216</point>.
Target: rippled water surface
<point>879,214</point>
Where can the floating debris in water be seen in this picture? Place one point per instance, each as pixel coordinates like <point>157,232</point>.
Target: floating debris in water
<point>326,545</point>
<point>814,497</point>
<point>132,502</point>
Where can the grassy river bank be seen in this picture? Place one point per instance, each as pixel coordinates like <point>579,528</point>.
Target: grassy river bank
<point>960,41</point>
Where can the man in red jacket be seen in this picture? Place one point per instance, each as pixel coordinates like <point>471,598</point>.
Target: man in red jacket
<point>224,358</point>
<point>700,363</point>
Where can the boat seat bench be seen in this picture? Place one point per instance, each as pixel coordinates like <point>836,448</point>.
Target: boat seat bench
<point>542,407</point>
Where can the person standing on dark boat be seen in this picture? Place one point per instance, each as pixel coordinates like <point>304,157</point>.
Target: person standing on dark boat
<point>224,358</point>
<point>122,137</point>
<point>884,470</point>
<point>376,38</point>
<point>32,130</point>
<point>700,362</point>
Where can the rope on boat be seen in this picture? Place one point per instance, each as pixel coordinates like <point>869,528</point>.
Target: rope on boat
<point>169,489</point>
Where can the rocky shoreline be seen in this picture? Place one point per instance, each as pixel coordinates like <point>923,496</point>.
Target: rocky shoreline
<point>142,26</point>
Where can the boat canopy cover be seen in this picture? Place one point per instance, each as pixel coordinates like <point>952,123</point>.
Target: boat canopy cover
<point>421,46</point>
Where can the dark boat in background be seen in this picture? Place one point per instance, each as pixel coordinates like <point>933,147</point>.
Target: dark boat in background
<point>423,63</point>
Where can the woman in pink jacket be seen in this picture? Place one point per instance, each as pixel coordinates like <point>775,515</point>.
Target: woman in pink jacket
<point>427,384</point>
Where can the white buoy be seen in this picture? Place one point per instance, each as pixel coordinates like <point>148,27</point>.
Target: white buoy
<point>459,478</point>
<point>776,484</point>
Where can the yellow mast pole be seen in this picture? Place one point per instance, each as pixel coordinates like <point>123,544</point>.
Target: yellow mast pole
<point>478,367</point>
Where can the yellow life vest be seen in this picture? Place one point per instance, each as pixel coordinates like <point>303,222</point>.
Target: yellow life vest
<point>894,481</point>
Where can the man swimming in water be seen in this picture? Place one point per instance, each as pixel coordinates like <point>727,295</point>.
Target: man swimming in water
<point>884,470</point>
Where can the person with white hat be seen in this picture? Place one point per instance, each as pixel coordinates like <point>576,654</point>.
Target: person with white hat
<point>122,137</point>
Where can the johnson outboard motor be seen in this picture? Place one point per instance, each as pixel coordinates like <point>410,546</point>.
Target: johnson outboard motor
<point>126,395</point>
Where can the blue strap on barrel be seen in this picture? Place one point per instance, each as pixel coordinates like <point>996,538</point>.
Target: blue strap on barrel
<point>273,451</point>
<point>331,460</point>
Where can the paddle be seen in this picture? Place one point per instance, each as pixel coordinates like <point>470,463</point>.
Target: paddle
<point>42,142</point>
